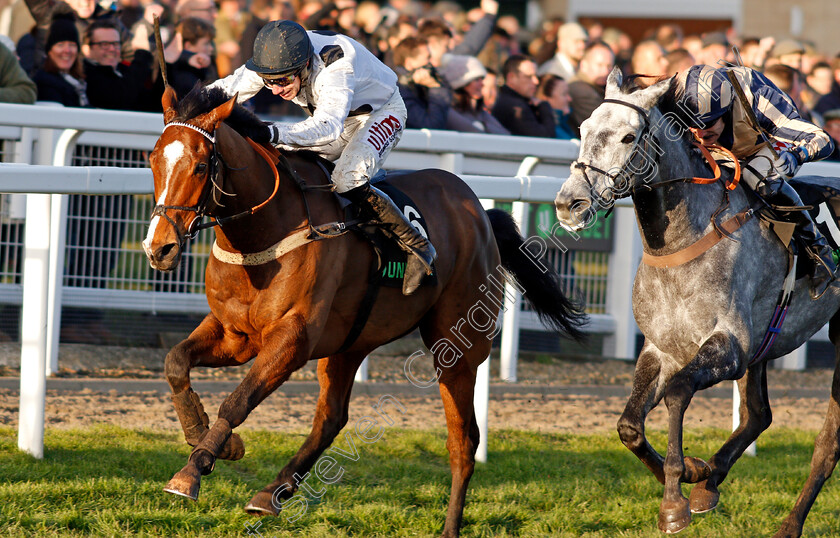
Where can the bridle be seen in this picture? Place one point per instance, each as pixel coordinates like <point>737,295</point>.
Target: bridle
<point>212,191</point>
<point>647,135</point>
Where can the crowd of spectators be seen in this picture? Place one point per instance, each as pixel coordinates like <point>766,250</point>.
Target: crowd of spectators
<point>463,70</point>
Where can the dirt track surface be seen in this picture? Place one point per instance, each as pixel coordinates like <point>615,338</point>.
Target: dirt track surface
<point>552,395</point>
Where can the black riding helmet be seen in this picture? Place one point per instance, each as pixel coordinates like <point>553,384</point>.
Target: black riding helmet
<point>280,47</point>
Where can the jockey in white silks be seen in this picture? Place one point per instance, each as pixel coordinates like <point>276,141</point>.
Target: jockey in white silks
<point>356,116</point>
<point>722,118</point>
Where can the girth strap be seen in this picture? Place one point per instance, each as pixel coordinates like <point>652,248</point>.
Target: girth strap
<point>701,245</point>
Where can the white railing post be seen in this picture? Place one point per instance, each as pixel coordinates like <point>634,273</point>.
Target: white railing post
<point>795,360</point>
<point>481,402</point>
<point>62,156</point>
<point>509,353</point>
<point>362,372</point>
<point>621,273</point>
<point>33,348</point>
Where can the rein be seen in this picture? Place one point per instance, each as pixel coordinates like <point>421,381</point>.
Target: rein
<point>290,242</point>
<point>718,231</point>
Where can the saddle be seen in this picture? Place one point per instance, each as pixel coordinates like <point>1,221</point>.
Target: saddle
<point>822,200</point>
<point>388,268</point>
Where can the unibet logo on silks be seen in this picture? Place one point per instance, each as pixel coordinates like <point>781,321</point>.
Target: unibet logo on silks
<point>382,133</point>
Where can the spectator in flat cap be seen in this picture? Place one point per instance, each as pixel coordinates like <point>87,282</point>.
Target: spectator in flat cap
<point>571,41</point>
<point>465,75</point>
<point>62,79</point>
<point>15,86</point>
<point>788,52</point>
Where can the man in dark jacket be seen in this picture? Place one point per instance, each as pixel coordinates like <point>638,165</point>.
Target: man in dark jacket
<point>427,95</point>
<point>517,107</point>
<point>588,87</point>
<point>111,83</point>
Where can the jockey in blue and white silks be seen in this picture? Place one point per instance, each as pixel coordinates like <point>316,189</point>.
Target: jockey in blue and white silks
<point>722,118</point>
<point>356,117</point>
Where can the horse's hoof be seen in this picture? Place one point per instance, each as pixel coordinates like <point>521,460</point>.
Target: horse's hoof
<point>234,448</point>
<point>261,505</point>
<point>185,483</point>
<point>703,498</point>
<point>696,470</point>
<point>674,516</point>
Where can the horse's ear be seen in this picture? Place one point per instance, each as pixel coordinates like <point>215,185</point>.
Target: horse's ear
<point>614,82</point>
<point>221,112</point>
<point>653,94</point>
<point>168,100</point>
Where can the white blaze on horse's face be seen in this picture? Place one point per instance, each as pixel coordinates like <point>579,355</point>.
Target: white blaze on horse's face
<point>611,141</point>
<point>172,153</point>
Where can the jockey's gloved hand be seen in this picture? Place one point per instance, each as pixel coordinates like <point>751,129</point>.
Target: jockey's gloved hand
<point>273,133</point>
<point>787,164</point>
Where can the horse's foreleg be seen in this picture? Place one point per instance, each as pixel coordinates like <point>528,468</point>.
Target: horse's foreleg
<point>645,396</point>
<point>755,417</point>
<point>826,448</point>
<point>283,353</point>
<point>335,376</point>
<point>207,345</point>
<point>714,362</point>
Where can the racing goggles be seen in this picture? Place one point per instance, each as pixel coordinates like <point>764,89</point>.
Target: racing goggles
<point>279,80</point>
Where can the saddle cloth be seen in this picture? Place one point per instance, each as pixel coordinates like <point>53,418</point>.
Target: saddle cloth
<point>823,195</point>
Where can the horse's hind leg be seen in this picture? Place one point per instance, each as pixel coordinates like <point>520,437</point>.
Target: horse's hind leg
<point>335,376</point>
<point>755,417</point>
<point>456,367</point>
<point>826,447</point>
<point>207,345</point>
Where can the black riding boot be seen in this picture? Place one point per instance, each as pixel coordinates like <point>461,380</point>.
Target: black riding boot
<point>421,252</point>
<point>817,247</point>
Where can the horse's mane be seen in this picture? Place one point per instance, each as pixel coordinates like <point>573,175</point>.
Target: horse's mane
<point>204,99</point>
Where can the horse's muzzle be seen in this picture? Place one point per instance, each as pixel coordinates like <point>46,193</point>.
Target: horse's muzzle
<point>163,258</point>
<point>572,213</point>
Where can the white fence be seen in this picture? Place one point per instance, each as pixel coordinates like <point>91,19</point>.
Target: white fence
<point>39,143</point>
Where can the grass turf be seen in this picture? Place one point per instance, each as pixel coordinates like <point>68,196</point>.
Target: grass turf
<point>107,481</point>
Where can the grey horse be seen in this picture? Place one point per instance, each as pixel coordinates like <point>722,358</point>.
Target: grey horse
<point>704,319</point>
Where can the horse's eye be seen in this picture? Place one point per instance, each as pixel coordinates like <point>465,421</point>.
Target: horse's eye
<point>628,138</point>
<point>200,168</point>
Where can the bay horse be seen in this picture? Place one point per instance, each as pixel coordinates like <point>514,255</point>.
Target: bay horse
<point>702,320</point>
<point>282,291</point>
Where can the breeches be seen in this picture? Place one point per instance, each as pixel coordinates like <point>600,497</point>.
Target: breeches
<point>365,144</point>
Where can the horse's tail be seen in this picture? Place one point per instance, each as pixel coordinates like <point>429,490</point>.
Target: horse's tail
<point>540,282</point>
